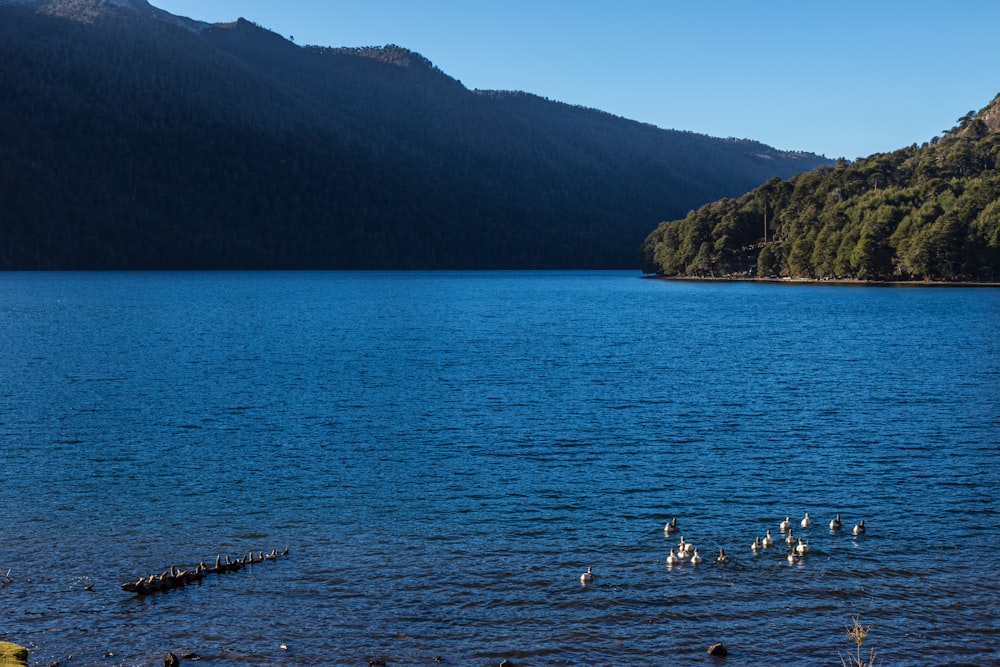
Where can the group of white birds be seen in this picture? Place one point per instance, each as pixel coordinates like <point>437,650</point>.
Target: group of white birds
<point>798,548</point>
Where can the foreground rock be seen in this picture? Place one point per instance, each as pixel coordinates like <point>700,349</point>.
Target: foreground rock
<point>12,655</point>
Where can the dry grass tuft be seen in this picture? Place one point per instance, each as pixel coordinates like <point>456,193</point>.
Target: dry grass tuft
<point>857,634</point>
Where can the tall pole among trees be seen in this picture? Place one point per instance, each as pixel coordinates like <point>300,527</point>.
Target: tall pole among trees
<point>765,221</point>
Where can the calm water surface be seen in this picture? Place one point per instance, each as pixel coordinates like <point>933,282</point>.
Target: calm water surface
<point>445,453</point>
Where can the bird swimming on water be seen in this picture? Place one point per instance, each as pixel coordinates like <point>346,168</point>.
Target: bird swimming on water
<point>671,527</point>
<point>695,558</point>
<point>587,576</point>
<point>802,548</point>
<point>786,524</point>
<point>860,528</point>
<point>684,548</point>
<point>805,521</point>
<point>835,524</point>
<point>722,558</point>
<point>768,540</point>
<point>757,545</point>
<point>672,559</point>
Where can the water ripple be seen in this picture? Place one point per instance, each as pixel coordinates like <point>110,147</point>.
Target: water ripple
<point>446,453</point>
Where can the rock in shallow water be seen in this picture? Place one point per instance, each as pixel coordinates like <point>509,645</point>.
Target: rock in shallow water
<point>12,655</point>
<point>718,650</point>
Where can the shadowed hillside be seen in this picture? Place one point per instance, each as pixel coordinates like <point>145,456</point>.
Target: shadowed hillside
<point>131,138</point>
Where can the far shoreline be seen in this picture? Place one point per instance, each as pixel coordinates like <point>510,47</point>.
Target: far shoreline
<point>821,281</point>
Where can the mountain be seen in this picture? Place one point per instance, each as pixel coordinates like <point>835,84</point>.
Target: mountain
<point>132,139</point>
<point>928,213</point>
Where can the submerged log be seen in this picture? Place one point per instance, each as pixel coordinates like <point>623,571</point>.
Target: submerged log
<point>176,577</point>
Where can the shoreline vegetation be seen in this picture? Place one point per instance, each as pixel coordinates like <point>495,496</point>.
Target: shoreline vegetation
<point>923,215</point>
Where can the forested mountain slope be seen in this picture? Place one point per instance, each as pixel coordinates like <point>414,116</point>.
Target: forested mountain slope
<point>130,138</point>
<point>920,213</point>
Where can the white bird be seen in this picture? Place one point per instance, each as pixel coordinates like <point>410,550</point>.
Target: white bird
<point>791,556</point>
<point>801,548</point>
<point>695,558</point>
<point>672,559</point>
<point>684,548</point>
<point>757,545</point>
<point>790,540</point>
<point>835,523</point>
<point>671,527</point>
<point>768,540</point>
<point>786,524</point>
<point>860,528</point>
<point>722,558</point>
<point>805,522</point>
<point>587,576</point>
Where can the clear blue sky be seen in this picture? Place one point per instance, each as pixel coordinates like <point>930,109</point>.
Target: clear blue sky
<point>845,79</point>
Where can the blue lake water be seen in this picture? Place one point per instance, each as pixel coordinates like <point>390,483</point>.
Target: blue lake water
<point>445,453</point>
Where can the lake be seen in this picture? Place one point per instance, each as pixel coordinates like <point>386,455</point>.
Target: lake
<point>445,453</point>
